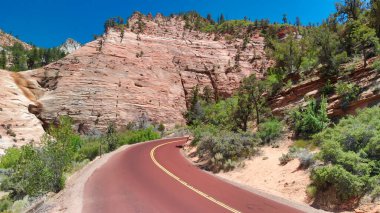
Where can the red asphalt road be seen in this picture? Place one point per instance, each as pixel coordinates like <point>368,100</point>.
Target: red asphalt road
<point>130,182</point>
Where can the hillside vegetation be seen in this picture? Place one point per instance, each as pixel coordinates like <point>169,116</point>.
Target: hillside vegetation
<point>231,130</point>
<point>31,171</point>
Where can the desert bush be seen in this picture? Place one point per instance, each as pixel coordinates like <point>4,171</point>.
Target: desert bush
<point>376,65</point>
<point>226,149</point>
<point>90,149</point>
<point>311,119</point>
<point>348,93</point>
<point>202,131</point>
<point>20,205</point>
<point>5,204</point>
<point>311,191</point>
<point>111,137</point>
<point>135,136</point>
<point>41,169</point>
<point>270,130</point>
<point>306,159</point>
<point>10,158</point>
<point>220,113</point>
<point>178,131</point>
<point>286,158</point>
<point>350,153</point>
<point>328,88</point>
<point>346,184</point>
<point>305,144</point>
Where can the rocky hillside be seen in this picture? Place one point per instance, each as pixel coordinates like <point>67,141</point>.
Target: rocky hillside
<point>18,125</point>
<point>367,79</point>
<point>125,74</point>
<point>7,40</point>
<point>70,46</point>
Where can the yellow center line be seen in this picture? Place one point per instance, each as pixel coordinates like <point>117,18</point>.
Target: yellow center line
<point>152,152</point>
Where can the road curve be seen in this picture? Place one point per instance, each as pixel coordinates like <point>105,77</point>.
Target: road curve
<point>155,177</point>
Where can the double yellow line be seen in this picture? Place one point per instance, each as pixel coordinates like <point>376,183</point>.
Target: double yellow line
<point>152,152</point>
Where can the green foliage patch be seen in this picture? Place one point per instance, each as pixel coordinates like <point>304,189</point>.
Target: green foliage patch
<point>350,153</point>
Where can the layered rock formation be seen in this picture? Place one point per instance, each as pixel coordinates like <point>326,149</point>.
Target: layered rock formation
<point>17,125</point>
<point>7,40</point>
<point>149,71</point>
<point>368,79</point>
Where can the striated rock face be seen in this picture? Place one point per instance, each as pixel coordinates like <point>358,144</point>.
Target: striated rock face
<point>150,71</point>
<point>17,125</point>
<point>70,46</point>
<point>366,78</point>
<point>7,40</point>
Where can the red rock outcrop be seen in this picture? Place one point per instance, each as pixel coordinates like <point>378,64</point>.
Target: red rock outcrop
<point>367,79</point>
<point>7,40</point>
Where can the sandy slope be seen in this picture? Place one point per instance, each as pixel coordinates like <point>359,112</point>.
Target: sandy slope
<point>264,172</point>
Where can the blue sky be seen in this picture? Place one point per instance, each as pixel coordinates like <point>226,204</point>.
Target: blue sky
<point>48,23</point>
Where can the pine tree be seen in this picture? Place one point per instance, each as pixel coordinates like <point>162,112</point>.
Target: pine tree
<point>3,60</point>
<point>209,18</point>
<point>221,19</point>
<point>365,41</point>
<point>375,15</point>
<point>285,19</point>
<point>350,9</point>
<point>298,22</point>
<point>251,101</point>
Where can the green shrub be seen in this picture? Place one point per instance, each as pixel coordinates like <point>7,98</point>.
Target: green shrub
<point>348,93</point>
<point>135,136</point>
<point>226,149</point>
<point>311,119</point>
<point>10,158</point>
<point>311,191</point>
<point>220,113</point>
<point>270,130</point>
<point>346,184</point>
<point>376,65</point>
<point>111,137</point>
<point>328,88</point>
<point>286,158</point>
<point>39,170</point>
<point>305,144</point>
<point>5,204</point>
<point>306,159</point>
<point>20,205</point>
<point>91,149</point>
<point>201,131</point>
<point>350,153</point>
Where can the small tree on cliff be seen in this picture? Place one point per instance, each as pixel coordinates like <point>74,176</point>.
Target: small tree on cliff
<point>208,95</point>
<point>195,111</point>
<point>3,59</point>
<point>251,101</point>
<point>365,41</point>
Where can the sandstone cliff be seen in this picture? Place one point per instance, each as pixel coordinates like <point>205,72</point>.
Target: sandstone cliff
<point>69,46</point>
<point>122,75</point>
<point>7,40</point>
<point>18,125</point>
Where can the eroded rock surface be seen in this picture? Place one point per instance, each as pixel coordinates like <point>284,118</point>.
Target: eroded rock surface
<point>122,75</point>
<point>367,79</point>
<point>17,125</point>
